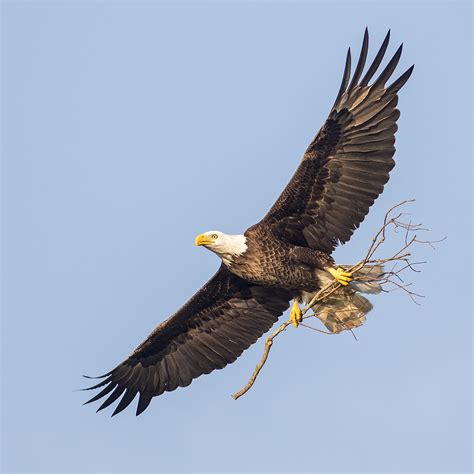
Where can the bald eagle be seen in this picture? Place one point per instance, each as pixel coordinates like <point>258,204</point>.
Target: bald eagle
<point>287,255</point>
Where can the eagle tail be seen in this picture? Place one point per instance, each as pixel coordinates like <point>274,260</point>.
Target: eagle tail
<point>367,279</point>
<point>343,312</point>
<point>346,308</point>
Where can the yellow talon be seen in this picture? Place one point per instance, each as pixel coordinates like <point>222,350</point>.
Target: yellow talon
<point>341,276</point>
<point>295,314</point>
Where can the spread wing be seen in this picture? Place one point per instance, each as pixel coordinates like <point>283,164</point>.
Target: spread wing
<point>347,165</point>
<point>211,330</point>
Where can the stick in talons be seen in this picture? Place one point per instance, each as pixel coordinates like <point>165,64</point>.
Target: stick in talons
<point>340,275</point>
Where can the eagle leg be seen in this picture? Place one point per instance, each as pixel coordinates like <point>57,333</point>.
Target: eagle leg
<point>295,314</point>
<point>341,276</point>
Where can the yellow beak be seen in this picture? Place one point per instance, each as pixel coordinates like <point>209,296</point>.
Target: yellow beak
<point>203,239</point>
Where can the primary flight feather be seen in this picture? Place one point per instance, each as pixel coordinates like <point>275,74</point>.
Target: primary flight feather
<point>287,255</point>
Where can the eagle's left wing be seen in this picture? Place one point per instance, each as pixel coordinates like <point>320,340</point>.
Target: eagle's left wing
<point>211,330</point>
<point>347,165</point>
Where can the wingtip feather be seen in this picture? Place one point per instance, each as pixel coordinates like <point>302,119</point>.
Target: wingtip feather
<point>377,60</point>
<point>96,376</point>
<point>389,68</point>
<point>112,397</point>
<point>361,62</point>
<point>400,82</point>
<point>143,403</point>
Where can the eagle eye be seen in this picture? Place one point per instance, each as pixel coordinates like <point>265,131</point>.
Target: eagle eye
<point>214,236</point>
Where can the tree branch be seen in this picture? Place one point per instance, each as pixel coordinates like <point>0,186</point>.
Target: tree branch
<point>389,281</point>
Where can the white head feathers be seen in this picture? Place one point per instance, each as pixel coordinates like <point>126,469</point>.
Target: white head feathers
<point>226,246</point>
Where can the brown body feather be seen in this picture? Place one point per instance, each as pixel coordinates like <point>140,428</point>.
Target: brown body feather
<point>271,262</point>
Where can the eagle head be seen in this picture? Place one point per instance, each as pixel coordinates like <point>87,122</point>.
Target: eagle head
<point>227,247</point>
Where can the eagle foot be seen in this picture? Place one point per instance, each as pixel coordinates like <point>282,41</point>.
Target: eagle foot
<point>295,314</point>
<point>341,276</point>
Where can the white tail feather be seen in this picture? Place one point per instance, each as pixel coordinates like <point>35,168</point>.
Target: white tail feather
<point>368,279</point>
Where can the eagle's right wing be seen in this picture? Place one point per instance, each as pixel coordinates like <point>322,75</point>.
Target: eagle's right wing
<point>347,165</point>
<point>211,330</point>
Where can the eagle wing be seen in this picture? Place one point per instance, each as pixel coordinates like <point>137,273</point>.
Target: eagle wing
<point>347,165</point>
<point>211,330</point>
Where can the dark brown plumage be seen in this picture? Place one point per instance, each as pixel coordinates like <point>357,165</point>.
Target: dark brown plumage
<point>346,166</point>
<point>211,330</point>
<point>342,172</point>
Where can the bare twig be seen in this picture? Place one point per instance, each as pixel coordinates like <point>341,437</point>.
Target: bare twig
<point>389,280</point>
<point>258,368</point>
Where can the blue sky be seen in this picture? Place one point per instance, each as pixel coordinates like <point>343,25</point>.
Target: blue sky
<point>130,127</point>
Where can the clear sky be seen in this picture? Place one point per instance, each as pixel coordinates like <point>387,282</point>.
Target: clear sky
<point>130,127</point>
